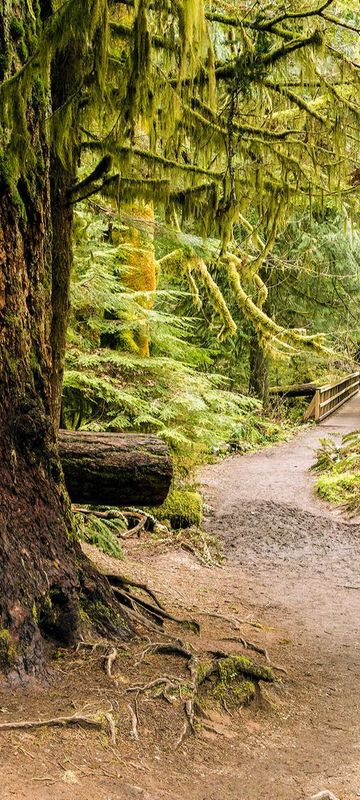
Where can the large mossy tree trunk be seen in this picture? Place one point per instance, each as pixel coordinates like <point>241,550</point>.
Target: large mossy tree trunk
<point>46,581</point>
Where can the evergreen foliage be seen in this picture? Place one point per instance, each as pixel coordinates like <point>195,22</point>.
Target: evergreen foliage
<point>338,468</point>
<point>224,115</point>
<point>103,533</point>
<point>175,392</point>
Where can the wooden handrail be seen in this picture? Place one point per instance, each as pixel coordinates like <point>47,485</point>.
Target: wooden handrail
<point>331,396</point>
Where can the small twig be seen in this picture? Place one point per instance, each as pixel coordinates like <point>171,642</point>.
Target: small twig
<point>345,586</point>
<point>182,734</point>
<point>112,727</point>
<point>110,660</point>
<point>55,722</point>
<point>89,645</point>
<point>134,722</point>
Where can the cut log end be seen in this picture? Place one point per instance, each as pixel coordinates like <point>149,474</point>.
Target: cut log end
<point>115,469</point>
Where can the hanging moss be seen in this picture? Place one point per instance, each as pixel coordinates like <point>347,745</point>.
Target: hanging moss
<point>16,29</point>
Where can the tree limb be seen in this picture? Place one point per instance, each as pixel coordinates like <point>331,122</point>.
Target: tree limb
<point>295,15</point>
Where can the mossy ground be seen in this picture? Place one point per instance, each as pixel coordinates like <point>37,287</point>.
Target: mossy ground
<point>182,509</point>
<point>232,684</point>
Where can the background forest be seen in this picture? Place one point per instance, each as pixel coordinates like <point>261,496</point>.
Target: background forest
<point>179,231</point>
<point>161,338</point>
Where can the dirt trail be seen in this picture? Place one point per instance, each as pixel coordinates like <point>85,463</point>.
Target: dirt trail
<point>293,563</point>
<point>302,559</point>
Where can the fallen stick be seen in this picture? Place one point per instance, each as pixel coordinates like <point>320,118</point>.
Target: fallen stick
<point>112,727</point>
<point>325,795</point>
<point>110,660</point>
<point>55,722</point>
<point>134,722</point>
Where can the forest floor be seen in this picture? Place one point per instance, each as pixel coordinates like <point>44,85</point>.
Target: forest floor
<point>292,565</point>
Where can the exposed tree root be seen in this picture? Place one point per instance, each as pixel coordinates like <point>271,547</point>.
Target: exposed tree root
<point>110,654</point>
<point>157,614</point>
<point>247,645</point>
<point>110,659</point>
<point>55,722</point>
<point>236,623</point>
<point>216,678</point>
<point>136,529</point>
<point>112,727</point>
<point>127,583</point>
<point>134,721</point>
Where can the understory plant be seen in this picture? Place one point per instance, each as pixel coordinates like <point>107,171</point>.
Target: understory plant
<point>338,469</point>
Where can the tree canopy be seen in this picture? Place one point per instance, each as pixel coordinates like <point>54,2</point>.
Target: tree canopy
<point>230,114</point>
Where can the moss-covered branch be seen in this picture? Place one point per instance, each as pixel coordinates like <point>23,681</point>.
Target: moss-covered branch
<point>308,107</point>
<point>341,23</point>
<point>228,71</point>
<point>251,130</point>
<point>289,15</point>
<point>148,155</point>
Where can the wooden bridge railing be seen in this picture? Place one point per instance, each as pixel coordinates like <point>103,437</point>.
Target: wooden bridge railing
<point>329,398</point>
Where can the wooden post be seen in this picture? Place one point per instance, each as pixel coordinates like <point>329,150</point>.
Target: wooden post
<point>317,405</point>
<point>309,412</point>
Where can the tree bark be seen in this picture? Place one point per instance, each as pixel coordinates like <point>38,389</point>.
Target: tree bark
<point>259,367</point>
<point>45,579</point>
<point>62,179</point>
<point>115,469</point>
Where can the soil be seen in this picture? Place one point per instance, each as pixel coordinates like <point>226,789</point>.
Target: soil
<point>292,576</point>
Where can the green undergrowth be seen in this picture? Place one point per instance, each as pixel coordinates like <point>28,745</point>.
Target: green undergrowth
<point>176,392</point>
<point>103,533</point>
<point>181,509</point>
<point>182,515</point>
<point>338,470</point>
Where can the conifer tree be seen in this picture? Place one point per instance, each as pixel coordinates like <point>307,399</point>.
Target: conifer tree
<point>249,112</point>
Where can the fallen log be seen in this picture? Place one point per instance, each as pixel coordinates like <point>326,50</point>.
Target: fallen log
<point>115,469</point>
<point>294,390</point>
